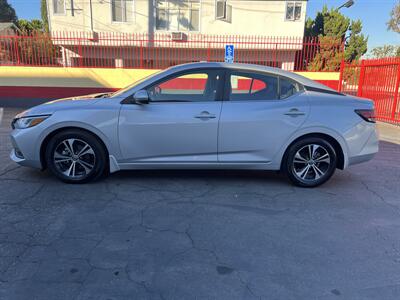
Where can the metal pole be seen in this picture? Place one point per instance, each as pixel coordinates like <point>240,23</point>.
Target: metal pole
<point>396,93</point>
<point>341,76</point>
<point>91,15</point>
<point>72,8</point>
<point>16,50</point>
<point>361,79</point>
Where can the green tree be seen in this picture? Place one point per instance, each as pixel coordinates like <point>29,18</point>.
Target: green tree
<point>328,23</point>
<point>335,32</point>
<point>34,25</point>
<point>385,51</point>
<point>39,48</point>
<point>394,21</point>
<point>7,12</point>
<point>356,43</point>
<point>43,12</point>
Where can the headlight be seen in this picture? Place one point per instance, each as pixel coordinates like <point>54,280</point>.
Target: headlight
<point>26,122</point>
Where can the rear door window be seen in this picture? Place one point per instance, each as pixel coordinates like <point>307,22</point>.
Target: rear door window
<point>287,88</point>
<point>247,87</point>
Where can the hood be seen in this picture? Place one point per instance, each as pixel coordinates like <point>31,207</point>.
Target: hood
<point>64,103</point>
<point>84,97</point>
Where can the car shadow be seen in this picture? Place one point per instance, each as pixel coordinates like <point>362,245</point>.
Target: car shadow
<point>247,175</point>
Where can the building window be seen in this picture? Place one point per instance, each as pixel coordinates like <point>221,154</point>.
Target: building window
<point>59,7</point>
<point>220,10</point>
<point>122,10</point>
<point>178,15</point>
<point>293,11</point>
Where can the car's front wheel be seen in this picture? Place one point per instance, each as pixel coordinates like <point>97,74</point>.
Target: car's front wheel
<point>76,156</point>
<point>310,162</point>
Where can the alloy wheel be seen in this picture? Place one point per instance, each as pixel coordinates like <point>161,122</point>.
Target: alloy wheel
<point>311,162</point>
<point>74,158</point>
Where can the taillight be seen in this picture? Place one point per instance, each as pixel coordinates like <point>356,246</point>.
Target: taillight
<point>367,114</point>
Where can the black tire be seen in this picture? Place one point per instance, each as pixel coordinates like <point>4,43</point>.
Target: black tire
<point>96,157</point>
<point>312,177</point>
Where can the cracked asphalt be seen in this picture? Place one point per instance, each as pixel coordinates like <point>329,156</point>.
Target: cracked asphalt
<point>200,234</point>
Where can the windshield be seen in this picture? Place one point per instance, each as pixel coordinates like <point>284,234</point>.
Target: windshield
<point>127,88</point>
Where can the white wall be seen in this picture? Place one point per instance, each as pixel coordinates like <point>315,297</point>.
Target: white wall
<point>248,17</point>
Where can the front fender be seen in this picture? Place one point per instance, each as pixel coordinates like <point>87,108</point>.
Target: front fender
<point>110,145</point>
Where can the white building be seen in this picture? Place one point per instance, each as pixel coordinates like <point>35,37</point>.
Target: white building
<point>185,22</point>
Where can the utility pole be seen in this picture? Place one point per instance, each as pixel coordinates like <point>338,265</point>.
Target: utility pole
<point>91,15</point>
<point>72,8</point>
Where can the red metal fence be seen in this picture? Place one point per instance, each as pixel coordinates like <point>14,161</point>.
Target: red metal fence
<point>376,79</point>
<point>136,50</point>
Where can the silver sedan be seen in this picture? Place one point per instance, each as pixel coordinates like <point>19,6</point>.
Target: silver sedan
<point>201,116</point>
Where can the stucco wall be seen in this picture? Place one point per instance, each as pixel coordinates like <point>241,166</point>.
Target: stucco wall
<point>265,18</point>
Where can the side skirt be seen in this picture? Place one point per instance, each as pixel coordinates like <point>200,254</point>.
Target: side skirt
<point>172,166</point>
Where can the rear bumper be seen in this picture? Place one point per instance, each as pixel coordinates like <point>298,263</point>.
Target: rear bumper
<point>361,158</point>
<point>368,149</point>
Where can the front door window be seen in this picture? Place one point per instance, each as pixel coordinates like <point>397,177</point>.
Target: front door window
<point>188,87</point>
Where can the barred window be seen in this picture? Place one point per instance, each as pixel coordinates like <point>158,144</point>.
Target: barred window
<point>59,6</point>
<point>178,15</point>
<point>293,11</point>
<point>122,10</point>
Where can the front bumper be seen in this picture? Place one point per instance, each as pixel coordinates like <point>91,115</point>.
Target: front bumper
<point>25,151</point>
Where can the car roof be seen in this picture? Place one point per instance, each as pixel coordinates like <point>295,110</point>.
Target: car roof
<point>254,68</point>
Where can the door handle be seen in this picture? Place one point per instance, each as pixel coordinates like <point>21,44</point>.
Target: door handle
<point>205,115</point>
<point>294,112</point>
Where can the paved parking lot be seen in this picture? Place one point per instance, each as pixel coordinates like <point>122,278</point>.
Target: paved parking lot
<point>200,235</point>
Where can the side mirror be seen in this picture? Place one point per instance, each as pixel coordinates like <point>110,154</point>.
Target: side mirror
<point>141,97</point>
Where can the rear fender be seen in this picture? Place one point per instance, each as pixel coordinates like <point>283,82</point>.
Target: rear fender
<point>313,130</point>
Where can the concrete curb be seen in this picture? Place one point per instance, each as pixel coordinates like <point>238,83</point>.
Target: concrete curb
<point>389,132</point>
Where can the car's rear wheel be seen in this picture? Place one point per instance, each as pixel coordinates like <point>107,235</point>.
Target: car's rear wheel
<point>76,156</point>
<point>310,162</point>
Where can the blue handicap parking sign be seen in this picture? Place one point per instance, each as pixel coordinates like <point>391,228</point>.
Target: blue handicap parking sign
<point>229,53</point>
